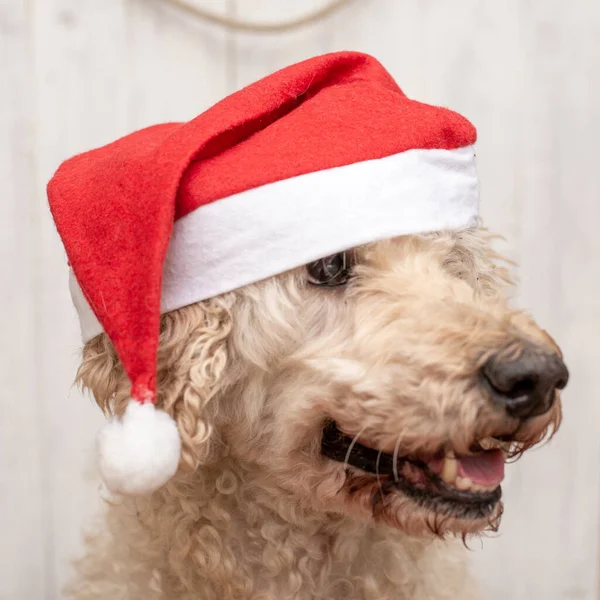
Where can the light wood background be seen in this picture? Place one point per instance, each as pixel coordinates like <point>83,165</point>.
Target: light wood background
<point>75,74</point>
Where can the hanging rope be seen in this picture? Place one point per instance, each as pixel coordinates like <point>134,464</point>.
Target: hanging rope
<point>260,27</point>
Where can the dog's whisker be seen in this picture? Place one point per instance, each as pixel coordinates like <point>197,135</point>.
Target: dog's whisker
<point>351,446</point>
<point>377,470</point>
<point>395,460</point>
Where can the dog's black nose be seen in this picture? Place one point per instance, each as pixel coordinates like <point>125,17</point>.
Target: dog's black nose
<point>526,385</point>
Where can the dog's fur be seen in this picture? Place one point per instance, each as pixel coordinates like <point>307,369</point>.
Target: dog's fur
<point>255,511</point>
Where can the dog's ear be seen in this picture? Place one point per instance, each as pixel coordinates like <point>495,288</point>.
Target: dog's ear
<point>192,358</point>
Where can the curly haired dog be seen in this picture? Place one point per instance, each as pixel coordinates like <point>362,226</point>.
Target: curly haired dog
<point>344,425</point>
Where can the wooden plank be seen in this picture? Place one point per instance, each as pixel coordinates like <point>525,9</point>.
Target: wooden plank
<point>177,64</point>
<point>81,103</point>
<point>22,490</point>
<point>552,516</point>
<point>257,55</point>
<point>103,69</point>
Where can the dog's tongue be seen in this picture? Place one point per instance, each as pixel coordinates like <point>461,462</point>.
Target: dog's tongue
<point>486,468</point>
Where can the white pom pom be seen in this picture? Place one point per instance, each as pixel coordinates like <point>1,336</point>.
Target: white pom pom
<point>138,452</point>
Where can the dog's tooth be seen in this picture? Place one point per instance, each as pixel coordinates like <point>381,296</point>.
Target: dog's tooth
<point>450,469</point>
<point>489,488</point>
<point>488,443</point>
<point>463,483</point>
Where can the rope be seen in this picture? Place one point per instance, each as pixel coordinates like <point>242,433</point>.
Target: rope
<point>260,27</point>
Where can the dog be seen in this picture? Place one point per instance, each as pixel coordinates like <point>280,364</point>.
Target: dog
<point>344,430</point>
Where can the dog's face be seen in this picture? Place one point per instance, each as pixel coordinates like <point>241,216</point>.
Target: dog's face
<point>388,383</point>
<point>391,383</point>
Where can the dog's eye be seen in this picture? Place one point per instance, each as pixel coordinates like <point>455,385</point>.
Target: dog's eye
<point>331,271</point>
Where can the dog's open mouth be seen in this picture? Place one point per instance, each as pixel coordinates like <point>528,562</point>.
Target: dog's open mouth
<point>466,486</point>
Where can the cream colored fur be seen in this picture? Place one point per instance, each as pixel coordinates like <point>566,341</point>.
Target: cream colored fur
<point>255,512</point>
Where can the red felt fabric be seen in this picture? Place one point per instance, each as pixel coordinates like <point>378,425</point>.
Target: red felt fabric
<point>346,119</point>
<point>114,207</point>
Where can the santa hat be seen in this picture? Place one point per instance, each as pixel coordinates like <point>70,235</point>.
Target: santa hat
<point>315,159</point>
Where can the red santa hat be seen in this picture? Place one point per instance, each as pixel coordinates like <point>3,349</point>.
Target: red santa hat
<point>314,159</point>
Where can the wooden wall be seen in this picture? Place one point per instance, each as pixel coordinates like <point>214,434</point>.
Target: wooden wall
<point>78,73</point>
